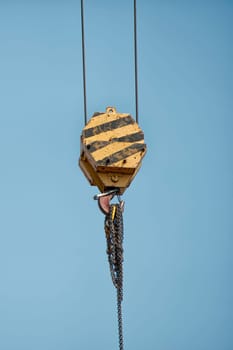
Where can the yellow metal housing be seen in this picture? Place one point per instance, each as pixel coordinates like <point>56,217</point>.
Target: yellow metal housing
<point>112,148</point>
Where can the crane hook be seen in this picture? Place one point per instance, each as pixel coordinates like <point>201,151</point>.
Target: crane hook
<point>105,198</point>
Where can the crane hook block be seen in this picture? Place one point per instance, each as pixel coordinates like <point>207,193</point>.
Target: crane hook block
<point>112,148</point>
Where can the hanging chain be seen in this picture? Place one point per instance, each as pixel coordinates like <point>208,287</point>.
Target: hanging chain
<point>114,237</point>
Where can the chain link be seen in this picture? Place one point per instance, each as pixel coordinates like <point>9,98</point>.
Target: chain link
<point>114,237</point>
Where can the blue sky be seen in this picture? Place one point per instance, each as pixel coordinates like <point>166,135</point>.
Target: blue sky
<point>56,291</point>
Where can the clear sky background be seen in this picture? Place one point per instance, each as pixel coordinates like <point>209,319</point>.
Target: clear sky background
<point>55,286</point>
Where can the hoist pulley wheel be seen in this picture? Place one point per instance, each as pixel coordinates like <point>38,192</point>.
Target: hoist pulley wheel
<point>112,148</point>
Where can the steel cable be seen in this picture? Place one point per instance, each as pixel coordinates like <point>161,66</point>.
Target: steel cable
<point>135,59</point>
<point>135,62</point>
<point>84,64</point>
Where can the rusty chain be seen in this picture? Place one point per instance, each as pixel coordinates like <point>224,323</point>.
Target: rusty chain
<point>114,237</point>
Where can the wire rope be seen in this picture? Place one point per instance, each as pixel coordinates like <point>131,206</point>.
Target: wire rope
<point>84,64</point>
<point>135,59</point>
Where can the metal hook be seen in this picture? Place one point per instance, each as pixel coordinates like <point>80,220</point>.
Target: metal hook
<point>105,194</point>
<point>105,198</point>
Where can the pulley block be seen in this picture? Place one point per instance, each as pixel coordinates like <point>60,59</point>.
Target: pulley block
<point>112,148</point>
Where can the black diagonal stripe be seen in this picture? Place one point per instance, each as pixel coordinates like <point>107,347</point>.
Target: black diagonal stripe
<point>137,136</point>
<point>120,155</point>
<point>97,114</point>
<point>92,147</point>
<point>115,124</point>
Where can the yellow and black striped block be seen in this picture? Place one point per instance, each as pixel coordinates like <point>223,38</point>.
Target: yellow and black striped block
<point>112,148</point>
